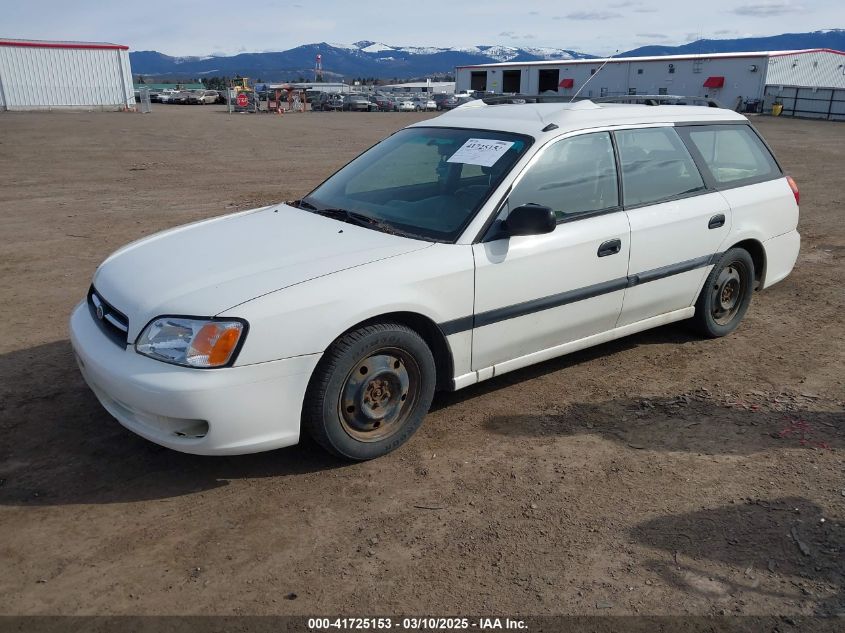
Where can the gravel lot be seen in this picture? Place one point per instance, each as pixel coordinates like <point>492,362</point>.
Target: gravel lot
<point>660,474</point>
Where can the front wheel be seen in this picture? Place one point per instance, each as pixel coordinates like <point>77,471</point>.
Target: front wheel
<point>370,391</point>
<point>726,294</point>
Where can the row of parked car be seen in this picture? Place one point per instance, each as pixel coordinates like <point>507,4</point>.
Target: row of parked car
<point>328,101</point>
<point>381,102</point>
<point>189,97</point>
<point>184,97</point>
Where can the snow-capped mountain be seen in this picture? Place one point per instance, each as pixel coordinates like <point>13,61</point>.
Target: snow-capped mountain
<point>497,53</point>
<point>361,59</point>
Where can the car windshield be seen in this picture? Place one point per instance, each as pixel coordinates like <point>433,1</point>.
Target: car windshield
<point>421,182</point>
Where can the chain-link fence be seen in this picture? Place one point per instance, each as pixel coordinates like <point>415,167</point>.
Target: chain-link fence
<point>144,100</point>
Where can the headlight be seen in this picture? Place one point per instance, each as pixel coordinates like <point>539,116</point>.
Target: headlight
<point>191,342</point>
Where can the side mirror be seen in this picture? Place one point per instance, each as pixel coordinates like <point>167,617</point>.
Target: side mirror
<point>530,219</point>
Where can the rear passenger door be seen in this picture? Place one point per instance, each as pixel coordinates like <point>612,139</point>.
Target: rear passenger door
<point>677,221</point>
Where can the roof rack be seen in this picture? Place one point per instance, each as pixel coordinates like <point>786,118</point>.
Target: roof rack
<point>640,99</point>
<point>521,99</point>
<point>661,100</point>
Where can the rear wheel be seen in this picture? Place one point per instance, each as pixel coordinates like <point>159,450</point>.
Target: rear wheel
<point>726,294</point>
<point>370,391</point>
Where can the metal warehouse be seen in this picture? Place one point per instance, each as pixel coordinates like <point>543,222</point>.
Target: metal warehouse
<point>38,75</point>
<point>807,82</point>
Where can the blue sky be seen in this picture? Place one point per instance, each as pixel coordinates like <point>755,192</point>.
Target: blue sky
<point>203,27</point>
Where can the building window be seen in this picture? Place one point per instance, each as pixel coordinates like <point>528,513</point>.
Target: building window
<point>511,80</point>
<point>662,91</point>
<point>592,71</point>
<point>639,71</point>
<point>632,91</point>
<point>603,92</point>
<point>549,80</point>
<point>671,69</point>
<point>696,66</point>
<point>478,80</point>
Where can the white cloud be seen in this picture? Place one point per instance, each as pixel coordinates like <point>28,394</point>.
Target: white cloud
<point>591,15</point>
<point>767,9</point>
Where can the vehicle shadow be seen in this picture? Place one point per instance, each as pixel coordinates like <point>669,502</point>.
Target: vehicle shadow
<point>697,422</point>
<point>787,548</point>
<point>61,447</point>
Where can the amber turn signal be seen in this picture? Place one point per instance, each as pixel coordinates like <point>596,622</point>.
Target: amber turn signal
<point>214,344</point>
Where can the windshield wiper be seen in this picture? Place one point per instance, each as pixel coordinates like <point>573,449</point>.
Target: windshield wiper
<point>358,219</point>
<point>302,204</point>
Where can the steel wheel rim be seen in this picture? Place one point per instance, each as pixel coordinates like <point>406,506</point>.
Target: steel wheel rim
<point>378,394</point>
<point>727,292</point>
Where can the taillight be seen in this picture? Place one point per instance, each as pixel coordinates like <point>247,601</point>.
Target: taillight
<point>794,188</point>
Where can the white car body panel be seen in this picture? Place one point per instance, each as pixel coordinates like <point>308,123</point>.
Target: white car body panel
<point>516,271</point>
<point>762,212</point>
<point>301,280</point>
<point>665,236</point>
<point>781,255</point>
<point>435,282</point>
<point>208,267</point>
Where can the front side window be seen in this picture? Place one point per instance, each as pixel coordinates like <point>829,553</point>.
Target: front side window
<point>656,166</point>
<point>734,154</point>
<point>424,182</point>
<point>573,176</point>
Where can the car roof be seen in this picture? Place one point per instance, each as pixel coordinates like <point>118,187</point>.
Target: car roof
<point>532,118</point>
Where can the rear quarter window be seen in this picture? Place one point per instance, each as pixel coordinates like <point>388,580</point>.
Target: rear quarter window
<point>733,154</point>
<point>656,166</point>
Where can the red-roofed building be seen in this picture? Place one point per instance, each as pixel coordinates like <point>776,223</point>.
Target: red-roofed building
<point>41,75</point>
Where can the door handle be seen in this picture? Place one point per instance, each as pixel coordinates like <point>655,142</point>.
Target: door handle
<point>716,221</point>
<point>610,247</point>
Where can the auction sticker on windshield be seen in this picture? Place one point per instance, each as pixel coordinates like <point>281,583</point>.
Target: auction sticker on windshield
<point>481,151</point>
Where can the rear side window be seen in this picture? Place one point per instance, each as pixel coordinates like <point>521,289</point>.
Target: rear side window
<point>656,166</point>
<point>734,154</point>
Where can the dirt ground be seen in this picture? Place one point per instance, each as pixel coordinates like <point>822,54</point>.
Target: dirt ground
<point>660,474</point>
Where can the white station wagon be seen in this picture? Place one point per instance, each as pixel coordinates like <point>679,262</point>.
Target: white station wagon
<point>459,248</point>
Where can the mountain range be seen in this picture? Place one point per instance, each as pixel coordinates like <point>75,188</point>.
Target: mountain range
<point>375,59</point>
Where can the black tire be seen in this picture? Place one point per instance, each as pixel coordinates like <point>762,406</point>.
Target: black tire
<point>726,294</point>
<point>342,406</point>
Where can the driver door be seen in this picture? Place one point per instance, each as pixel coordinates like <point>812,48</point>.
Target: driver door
<point>541,291</point>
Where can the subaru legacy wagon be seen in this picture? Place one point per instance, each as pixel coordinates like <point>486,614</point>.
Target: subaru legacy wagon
<point>458,249</point>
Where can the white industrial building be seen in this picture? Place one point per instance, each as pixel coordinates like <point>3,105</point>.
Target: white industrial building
<point>433,87</point>
<point>39,75</point>
<point>814,79</point>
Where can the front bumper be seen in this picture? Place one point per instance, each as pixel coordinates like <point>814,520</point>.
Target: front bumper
<point>228,411</point>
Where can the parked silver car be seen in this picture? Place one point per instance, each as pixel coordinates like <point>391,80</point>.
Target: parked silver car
<point>424,103</point>
<point>202,97</point>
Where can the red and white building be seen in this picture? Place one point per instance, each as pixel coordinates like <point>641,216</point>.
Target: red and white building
<point>812,80</point>
<point>39,75</point>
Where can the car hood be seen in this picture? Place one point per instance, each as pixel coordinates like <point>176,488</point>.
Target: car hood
<point>208,267</point>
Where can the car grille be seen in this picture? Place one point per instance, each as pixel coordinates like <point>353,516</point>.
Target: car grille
<point>111,320</point>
